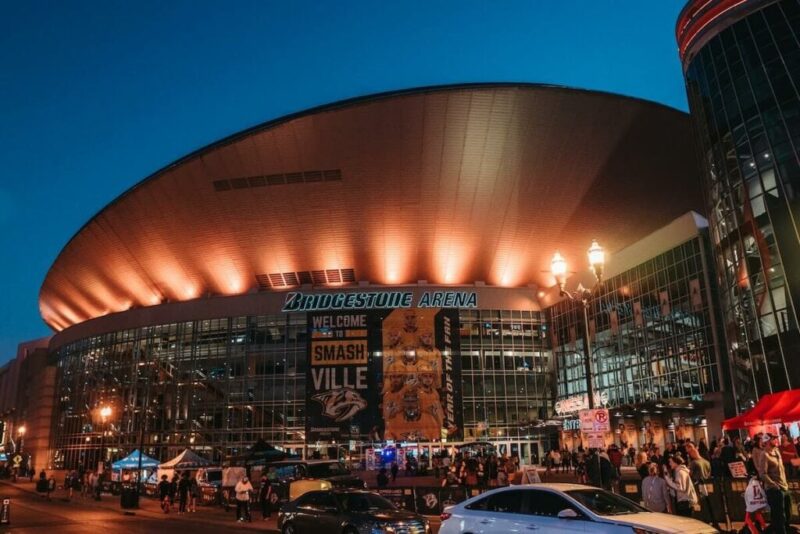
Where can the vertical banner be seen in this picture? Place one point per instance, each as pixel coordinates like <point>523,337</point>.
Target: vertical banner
<point>663,301</point>
<point>695,295</point>
<point>384,374</point>
<point>341,401</point>
<point>638,319</point>
<point>613,320</point>
<point>420,390</point>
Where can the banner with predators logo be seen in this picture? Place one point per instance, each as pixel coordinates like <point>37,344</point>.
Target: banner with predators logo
<point>384,374</point>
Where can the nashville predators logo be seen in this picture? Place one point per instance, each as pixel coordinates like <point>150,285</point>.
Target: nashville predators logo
<point>340,404</point>
<point>430,500</point>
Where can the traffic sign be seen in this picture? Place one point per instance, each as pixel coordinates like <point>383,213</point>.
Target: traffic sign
<point>596,420</point>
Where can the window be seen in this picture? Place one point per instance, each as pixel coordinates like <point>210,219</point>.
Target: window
<point>604,502</point>
<point>547,504</point>
<point>504,501</point>
<point>362,502</point>
<point>317,500</point>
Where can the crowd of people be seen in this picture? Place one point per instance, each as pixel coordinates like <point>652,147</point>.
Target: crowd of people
<point>676,479</point>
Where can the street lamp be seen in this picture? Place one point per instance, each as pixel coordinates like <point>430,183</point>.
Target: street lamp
<point>105,413</point>
<point>558,267</point>
<point>21,432</point>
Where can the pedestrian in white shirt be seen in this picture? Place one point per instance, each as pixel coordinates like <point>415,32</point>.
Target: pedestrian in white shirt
<point>681,483</point>
<point>243,490</point>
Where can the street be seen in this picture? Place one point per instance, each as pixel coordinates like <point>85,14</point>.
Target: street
<point>33,513</point>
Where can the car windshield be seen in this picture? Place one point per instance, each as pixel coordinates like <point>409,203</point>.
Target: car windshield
<point>363,502</point>
<point>326,470</point>
<point>604,502</point>
<point>214,476</point>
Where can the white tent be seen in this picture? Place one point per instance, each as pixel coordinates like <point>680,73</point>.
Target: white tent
<point>186,460</point>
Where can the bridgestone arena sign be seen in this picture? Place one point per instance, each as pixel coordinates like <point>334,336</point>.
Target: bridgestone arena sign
<point>297,302</point>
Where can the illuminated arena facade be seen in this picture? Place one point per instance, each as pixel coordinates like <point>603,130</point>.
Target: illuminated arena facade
<point>194,303</point>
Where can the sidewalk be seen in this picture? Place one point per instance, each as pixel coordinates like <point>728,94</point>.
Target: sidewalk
<point>148,507</point>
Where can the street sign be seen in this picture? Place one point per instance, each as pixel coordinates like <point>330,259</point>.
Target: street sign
<point>596,420</point>
<point>596,440</point>
<point>738,469</point>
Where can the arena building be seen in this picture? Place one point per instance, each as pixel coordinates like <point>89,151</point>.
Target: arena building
<point>376,270</point>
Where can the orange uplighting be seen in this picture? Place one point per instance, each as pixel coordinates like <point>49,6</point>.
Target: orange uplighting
<point>450,185</point>
<point>224,274</point>
<point>453,260</point>
<point>393,256</point>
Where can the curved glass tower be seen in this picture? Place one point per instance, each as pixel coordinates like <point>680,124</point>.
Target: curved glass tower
<point>741,62</point>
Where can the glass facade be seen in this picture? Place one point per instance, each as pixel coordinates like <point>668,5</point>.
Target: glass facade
<point>651,333</point>
<point>743,94</point>
<point>218,385</point>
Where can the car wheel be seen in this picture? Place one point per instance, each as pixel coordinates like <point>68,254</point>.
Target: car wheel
<point>288,528</point>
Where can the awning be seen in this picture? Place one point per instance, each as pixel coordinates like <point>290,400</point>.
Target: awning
<point>132,462</point>
<point>187,459</point>
<point>772,409</point>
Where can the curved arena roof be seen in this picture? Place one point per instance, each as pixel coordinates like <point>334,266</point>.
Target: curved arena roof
<point>451,185</point>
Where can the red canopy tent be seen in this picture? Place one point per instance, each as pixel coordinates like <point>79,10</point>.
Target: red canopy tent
<point>772,409</point>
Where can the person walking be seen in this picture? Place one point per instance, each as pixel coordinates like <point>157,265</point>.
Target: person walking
<point>774,478</point>
<point>183,492</point>
<point>243,490</point>
<point>194,494</point>
<point>163,493</point>
<point>264,494</point>
<point>395,469</point>
<point>97,486</point>
<point>51,486</point>
<point>73,483</point>
<point>655,491</point>
<point>788,454</point>
<point>383,480</point>
<point>502,474</point>
<point>680,482</point>
<point>700,472</point>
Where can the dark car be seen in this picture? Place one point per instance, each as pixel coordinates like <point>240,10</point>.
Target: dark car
<point>348,512</point>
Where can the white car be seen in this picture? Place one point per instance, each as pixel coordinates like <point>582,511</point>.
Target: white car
<point>562,509</point>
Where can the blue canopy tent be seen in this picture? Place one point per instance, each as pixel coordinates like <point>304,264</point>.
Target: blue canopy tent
<point>132,462</point>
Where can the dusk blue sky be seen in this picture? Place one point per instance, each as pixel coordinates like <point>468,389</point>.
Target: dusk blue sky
<point>94,96</point>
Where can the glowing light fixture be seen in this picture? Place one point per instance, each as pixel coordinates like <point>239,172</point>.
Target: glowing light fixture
<point>597,258</point>
<point>558,266</point>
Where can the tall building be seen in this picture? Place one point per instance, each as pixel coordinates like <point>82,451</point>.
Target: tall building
<point>741,62</point>
<point>366,272</point>
<point>654,340</point>
<point>27,402</point>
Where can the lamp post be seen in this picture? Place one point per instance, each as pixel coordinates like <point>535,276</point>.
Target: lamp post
<point>105,413</point>
<point>21,432</point>
<point>558,267</point>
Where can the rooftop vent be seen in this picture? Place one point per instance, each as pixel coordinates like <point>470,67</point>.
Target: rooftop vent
<point>306,177</point>
<point>317,278</point>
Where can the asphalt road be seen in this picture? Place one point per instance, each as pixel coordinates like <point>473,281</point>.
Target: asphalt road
<point>34,514</point>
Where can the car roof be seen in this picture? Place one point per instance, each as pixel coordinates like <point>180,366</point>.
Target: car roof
<point>556,486</point>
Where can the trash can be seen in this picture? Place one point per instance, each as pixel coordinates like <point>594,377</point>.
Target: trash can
<point>129,497</point>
